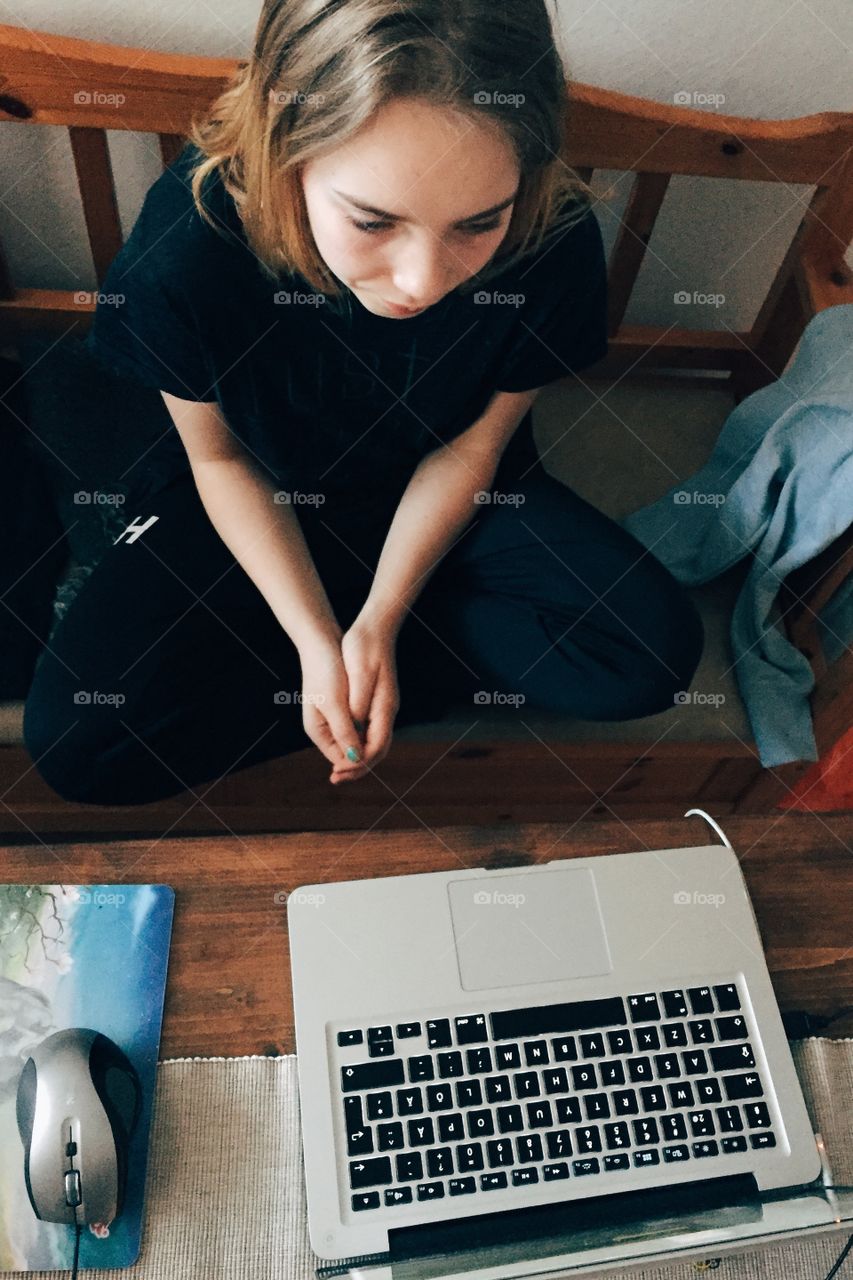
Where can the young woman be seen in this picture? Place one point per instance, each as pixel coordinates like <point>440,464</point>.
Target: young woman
<point>349,288</point>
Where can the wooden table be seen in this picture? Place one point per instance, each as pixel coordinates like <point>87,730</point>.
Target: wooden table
<point>229,976</point>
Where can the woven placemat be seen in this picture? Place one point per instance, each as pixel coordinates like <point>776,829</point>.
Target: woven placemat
<point>226,1197</point>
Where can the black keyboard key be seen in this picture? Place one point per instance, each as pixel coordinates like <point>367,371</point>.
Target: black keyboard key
<point>564,1049</point>
<point>757,1115</point>
<point>568,1111</point>
<point>481,1124</point>
<point>743,1086</point>
<point>500,1152</point>
<point>360,1143</point>
<point>498,1089</point>
<point>674,1003</point>
<point>389,1137</point>
<point>639,1069</point>
<point>617,1136</point>
<point>554,1172</point>
<point>461,1186</point>
<point>620,1042</point>
<point>406,1030</point>
<point>556,1080</point>
<point>647,1038</point>
<point>727,997</point>
<point>681,1095</point>
<point>421,1068</point>
<point>667,1066</point>
<point>367,1200</point>
<point>449,1065</point>
<point>701,1000</point>
<point>451,1128</point>
<point>439,1097</point>
<point>379,1106</point>
<point>592,1046</point>
<point>410,1166</point>
<point>379,1033</point>
<point>479,1061</point>
<point>625,1102</point>
<point>372,1075</point>
<point>701,1031</point>
<point>469,1093</point>
<point>471,1030</point>
<point>653,1098</point>
<point>674,1128</point>
<point>381,1049</point>
<point>526,1084</point>
<point>507,1056</point>
<point>580,1015</point>
<point>701,1124</point>
<point>618,1161</point>
<point>674,1035</point>
<point>492,1181</point>
<point>438,1033</point>
<point>643,1158</point>
<point>597,1106</point>
<point>761,1140</point>
<point>695,1062</point>
<point>410,1102</point>
<point>559,1143</point>
<point>439,1162</point>
<point>539,1115</point>
<point>672,1155</point>
<point>529,1147</point>
<point>469,1157</point>
<point>583,1077</point>
<point>510,1119</point>
<point>582,1168</point>
<point>430,1190</point>
<point>350,1037</point>
<point>644,1008</point>
<point>733,1028</point>
<point>729,1119</point>
<point>587,1138</point>
<point>707,1148</point>
<point>524,1177</point>
<point>645,1131</point>
<point>612,1072</point>
<point>421,1132</point>
<point>708,1091</point>
<point>732,1057</point>
<point>369,1173</point>
<point>398,1195</point>
<point>731,1145</point>
<point>536,1053</point>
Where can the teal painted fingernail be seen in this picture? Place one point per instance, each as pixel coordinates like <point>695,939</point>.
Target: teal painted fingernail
<point>353,754</point>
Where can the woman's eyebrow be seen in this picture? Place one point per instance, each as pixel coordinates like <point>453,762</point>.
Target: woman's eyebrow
<point>396,217</point>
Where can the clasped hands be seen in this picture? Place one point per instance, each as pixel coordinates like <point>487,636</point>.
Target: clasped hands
<point>350,696</point>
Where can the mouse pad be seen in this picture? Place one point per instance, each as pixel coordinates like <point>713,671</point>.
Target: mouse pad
<point>78,956</point>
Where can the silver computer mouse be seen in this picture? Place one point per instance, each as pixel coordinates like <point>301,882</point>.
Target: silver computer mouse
<point>79,1099</point>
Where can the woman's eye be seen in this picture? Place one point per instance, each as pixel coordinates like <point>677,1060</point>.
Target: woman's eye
<point>472,230</point>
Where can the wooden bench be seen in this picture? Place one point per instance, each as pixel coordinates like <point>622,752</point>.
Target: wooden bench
<point>481,765</point>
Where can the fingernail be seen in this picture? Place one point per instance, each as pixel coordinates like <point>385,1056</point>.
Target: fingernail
<point>352,753</point>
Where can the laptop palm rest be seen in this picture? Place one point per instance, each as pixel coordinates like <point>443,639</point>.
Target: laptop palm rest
<point>537,926</point>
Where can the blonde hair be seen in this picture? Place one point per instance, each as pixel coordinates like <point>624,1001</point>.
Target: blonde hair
<point>320,69</point>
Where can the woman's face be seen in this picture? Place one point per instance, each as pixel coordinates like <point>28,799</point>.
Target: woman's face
<point>432,168</point>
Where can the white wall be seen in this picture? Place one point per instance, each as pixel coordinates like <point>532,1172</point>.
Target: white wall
<point>761,58</point>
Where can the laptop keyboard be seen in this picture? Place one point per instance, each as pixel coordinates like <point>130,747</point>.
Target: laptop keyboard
<point>461,1106</point>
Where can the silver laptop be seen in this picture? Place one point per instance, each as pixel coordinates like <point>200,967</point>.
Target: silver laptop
<point>479,1048</point>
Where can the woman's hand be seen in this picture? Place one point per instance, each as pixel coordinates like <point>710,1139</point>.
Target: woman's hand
<point>326,715</point>
<point>368,651</point>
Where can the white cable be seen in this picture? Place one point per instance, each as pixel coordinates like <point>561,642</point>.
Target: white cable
<point>719,830</point>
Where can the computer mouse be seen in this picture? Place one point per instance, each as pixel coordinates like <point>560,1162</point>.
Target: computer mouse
<point>78,1103</point>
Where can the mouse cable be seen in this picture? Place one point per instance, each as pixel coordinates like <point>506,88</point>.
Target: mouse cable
<point>839,1261</point>
<point>77,1231</point>
<point>719,830</point>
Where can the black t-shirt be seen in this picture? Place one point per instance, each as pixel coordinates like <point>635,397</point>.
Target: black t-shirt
<point>334,399</point>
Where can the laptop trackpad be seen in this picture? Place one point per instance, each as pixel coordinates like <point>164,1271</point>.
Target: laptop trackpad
<point>538,926</point>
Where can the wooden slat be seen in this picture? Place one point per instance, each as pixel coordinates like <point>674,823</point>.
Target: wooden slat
<point>97,192</point>
<point>824,282</point>
<point>638,220</point>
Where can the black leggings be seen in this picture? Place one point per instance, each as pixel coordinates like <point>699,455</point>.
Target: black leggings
<point>170,669</point>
